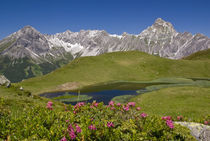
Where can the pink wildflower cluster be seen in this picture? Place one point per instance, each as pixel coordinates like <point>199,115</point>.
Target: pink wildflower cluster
<point>49,105</point>
<point>110,124</point>
<point>94,104</point>
<point>179,117</point>
<point>138,108</point>
<point>143,115</point>
<point>64,139</point>
<point>72,132</point>
<point>111,105</point>
<point>126,107</point>
<point>130,104</point>
<point>92,127</point>
<point>118,104</point>
<point>78,129</point>
<point>78,105</point>
<point>169,121</point>
<point>167,118</point>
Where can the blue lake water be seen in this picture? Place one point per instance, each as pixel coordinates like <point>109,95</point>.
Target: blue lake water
<point>100,96</point>
<point>107,91</point>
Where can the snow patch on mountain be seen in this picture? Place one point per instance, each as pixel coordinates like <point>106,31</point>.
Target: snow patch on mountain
<point>160,39</point>
<point>116,36</point>
<point>92,33</point>
<point>76,48</point>
<point>73,48</point>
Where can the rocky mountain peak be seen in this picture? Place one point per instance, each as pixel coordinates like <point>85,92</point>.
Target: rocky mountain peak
<point>67,32</point>
<point>163,26</point>
<point>28,31</point>
<point>160,21</point>
<point>160,28</point>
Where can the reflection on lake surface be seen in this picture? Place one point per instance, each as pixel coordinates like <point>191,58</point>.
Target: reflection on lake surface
<point>101,96</point>
<point>104,92</point>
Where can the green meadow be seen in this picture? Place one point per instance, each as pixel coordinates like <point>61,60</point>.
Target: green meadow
<point>117,66</point>
<point>166,88</point>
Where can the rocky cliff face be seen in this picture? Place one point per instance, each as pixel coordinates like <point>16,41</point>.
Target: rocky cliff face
<point>159,39</point>
<point>28,42</point>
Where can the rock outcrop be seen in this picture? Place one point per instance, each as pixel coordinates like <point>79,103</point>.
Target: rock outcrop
<point>4,81</point>
<point>199,131</point>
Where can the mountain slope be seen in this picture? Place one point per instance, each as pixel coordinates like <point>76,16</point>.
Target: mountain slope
<point>32,50</point>
<point>25,54</point>
<point>200,55</point>
<point>130,66</point>
<point>159,39</point>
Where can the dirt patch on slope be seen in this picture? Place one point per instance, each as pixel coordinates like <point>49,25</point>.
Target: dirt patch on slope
<point>68,86</point>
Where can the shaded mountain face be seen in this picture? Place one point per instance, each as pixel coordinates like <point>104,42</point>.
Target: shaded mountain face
<point>26,53</point>
<point>29,53</point>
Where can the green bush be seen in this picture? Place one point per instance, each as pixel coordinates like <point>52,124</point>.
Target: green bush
<point>92,121</point>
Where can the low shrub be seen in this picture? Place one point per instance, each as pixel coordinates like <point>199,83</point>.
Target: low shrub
<point>92,121</point>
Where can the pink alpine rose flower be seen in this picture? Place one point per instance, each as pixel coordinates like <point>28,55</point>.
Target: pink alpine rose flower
<point>78,105</point>
<point>138,108</point>
<point>70,128</point>
<point>49,105</point>
<point>111,103</point>
<point>96,104</point>
<point>92,127</point>
<point>71,132</point>
<point>167,118</point>
<point>67,120</point>
<point>78,129</point>
<point>118,104</point>
<point>110,124</point>
<point>126,108</point>
<point>143,115</point>
<point>72,135</point>
<point>132,104</point>
<point>64,139</point>
<point>170,124</point>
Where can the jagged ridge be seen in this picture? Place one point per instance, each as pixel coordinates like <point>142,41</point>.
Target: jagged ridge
<point>160,39</point>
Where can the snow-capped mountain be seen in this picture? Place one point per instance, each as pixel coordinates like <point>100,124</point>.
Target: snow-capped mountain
<point>55,50</point>
<point>160,39</point>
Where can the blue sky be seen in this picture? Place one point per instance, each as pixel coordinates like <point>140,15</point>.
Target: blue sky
<point>114,16</point>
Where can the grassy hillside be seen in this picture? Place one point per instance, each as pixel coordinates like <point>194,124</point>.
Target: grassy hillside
<point>17,100</point>
<point>128,66</point>
<point>191,102</point>
<point>201,55</point>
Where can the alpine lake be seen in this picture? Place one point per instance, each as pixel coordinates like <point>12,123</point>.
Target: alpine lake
<point>121,91</point>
